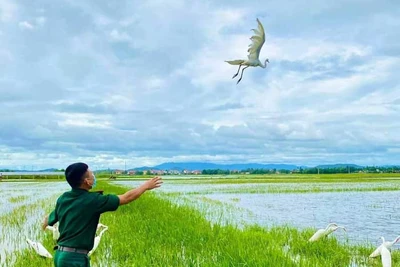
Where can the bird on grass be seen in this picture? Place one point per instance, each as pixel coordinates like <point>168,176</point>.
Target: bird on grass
<point>325,232</point>
<point>99,225</point>
<point>39,248</point>
<point>98,238</point>
<point>54,229</point>
<point>387,244</point>
<point>258,40</point>
<point>386,257</point>
<point>42,251</point>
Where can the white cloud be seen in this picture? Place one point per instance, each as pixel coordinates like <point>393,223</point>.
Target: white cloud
<point>119,36</point>
<point>40,21</point>
<point>147,82</point>
<point>7,10</point>
<point>25,25</point>
<point>84,120</point>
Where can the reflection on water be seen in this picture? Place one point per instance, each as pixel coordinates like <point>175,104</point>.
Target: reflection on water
<point>182,187</point>
<point>367,215</point>
<point>30,191</point>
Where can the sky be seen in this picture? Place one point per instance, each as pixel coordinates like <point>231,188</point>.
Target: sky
<point>140,83</point>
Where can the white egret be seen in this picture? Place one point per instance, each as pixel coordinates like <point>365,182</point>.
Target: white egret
<point>97,240</point>
<point>385,255</point>
<point>100,225</point>
<point>325,232</point>
<point>254,51</point>
<point>39,248</point>
<point>387,244</point>
<point>54,229</point>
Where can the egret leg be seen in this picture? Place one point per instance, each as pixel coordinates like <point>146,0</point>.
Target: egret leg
<point>242,74</point>
<point>237,72</point>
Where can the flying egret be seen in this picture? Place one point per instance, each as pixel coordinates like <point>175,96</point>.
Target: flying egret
<point>97,240</point>
<point>39,248</point>
<point>54,229</point>
<point>254,51</point>
<point>385,255</point>
<point>387,244</point>
<point>325,232</point>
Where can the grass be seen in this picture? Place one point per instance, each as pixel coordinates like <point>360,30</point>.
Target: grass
<point>153,231</point>
<point>283,190</point>
<point>20,223</point>
<point>17,199</point>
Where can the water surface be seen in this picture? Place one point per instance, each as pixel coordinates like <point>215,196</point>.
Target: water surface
<point>367,215</point>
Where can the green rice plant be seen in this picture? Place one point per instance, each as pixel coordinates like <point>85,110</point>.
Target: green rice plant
<point>17,199</point>
<point>155,231</point>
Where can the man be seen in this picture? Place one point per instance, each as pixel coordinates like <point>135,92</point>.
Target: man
<point>78,212</point>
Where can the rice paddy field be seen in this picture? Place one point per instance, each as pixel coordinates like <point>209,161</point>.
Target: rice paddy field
<point>218,221</point>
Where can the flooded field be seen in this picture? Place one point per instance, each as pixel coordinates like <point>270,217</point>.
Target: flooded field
<point>368,210</point>
<point>22,207</point>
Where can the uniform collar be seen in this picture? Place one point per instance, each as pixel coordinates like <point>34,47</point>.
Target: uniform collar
<point>82,191</point>
<point>79,190</point>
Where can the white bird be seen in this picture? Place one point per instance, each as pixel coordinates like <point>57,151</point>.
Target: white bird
<point>100,225</point>
<point>97,240</point>
<point>387,244</point>
<point>325,232</point>
<point>254,51</point>
<point>39,248</point>
<point>385,255</point>
<point>54,229</point>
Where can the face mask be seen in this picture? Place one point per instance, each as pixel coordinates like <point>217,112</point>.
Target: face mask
<point>95,182</point>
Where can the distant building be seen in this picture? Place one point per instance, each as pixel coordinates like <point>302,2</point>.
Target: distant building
<point>157,172</point>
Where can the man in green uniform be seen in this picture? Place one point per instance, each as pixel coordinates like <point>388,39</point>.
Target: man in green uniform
<point>78,212</point>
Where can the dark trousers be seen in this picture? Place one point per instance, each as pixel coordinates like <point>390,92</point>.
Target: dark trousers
<point>71,259</point>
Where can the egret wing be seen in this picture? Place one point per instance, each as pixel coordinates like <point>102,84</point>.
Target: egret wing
<point>258,40</point>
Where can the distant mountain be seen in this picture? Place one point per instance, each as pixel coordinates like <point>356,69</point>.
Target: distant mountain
<point>339,165</point>
<point>179,166</point>
<point>49,170</point>
<point>144,168</point>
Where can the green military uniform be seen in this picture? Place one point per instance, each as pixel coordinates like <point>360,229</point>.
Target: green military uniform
<point>78,213</point>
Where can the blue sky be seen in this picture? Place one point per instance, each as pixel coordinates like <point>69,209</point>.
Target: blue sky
<point>145,82</point>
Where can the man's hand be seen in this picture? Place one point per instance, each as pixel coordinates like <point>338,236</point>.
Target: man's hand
<point>45,220</point>
<point>153,183</point>
<point>135,193</point>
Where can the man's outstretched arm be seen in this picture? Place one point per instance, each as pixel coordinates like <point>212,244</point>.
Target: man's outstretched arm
<point>135,193</point>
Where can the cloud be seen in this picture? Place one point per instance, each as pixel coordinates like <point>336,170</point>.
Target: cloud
<point>147,82</point>
<point>7,10</point>
<point>119,36</point>
<point>25,25</point>
<point>40,21</point>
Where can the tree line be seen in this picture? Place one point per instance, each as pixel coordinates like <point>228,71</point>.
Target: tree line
<point>315,170</point>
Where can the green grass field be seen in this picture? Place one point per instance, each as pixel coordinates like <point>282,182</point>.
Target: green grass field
<point>153,231</point>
